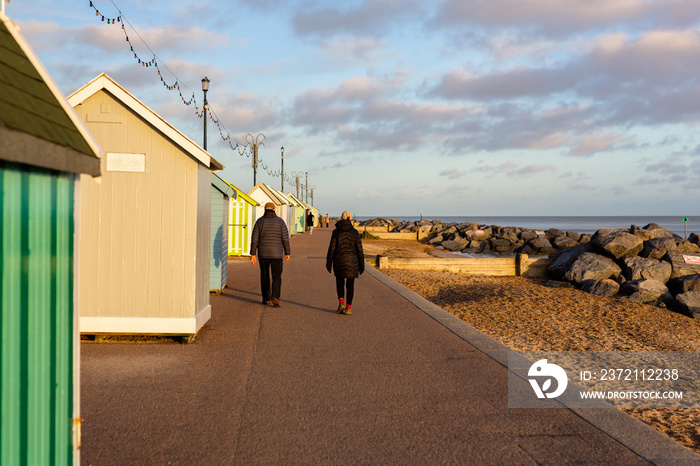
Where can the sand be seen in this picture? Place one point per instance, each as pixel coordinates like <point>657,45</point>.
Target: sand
<point>526,315</point>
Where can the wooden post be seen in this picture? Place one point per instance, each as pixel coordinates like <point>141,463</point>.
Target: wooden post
<point>520,264</point>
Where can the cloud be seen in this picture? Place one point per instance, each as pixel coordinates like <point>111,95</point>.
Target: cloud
<point>511,169</point>
<point>566,17</point>
<point>454,174</point>
<point>369,17</point>
<point>594,143</point>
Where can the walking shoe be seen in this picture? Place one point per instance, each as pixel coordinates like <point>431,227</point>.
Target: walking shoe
<point>276,302</point>
<point>267,303</point>
<point>347,312</point>
<point>341,309</point>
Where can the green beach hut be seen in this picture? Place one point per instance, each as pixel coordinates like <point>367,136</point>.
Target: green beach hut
<point>243,212</point>
<point>221,194</point>
<point>299,215</point>
<point>45,147</point>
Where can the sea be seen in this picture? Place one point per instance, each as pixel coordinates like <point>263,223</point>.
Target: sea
<point>580,224</point>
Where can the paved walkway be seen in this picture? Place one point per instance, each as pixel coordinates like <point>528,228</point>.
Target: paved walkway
<point>398,382</point>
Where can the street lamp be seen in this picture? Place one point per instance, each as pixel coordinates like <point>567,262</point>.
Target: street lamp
<point>296,176</point>
<point>282,151</point>
<point>205,88</point>
<point>312,188</point>
<point>254,142</point>
<point>306,187</point>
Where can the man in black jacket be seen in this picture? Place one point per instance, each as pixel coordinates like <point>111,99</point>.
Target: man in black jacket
<point>269,245</point>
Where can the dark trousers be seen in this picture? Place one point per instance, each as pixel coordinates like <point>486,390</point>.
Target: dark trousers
<point>270,288</point>
<point>345,288</point>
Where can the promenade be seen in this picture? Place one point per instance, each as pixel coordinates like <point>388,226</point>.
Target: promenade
<point>398,382</point>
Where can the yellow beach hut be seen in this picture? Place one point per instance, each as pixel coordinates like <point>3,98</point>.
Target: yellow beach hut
<point>146,242</point>
<point>243,211</point>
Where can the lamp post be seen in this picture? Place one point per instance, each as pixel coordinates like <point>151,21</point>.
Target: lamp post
<point>312,188</point>
<point>296,176</point>
<point>205,88</point>
<point>282,151</point>
<point>306,187</point>
<point>255,142</point>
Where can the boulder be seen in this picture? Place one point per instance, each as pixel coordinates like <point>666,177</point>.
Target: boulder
<point>563,260</point>
<point>591,266</point>
<point>693,238</point>
<point>651,233</point>
<point>553,233</point>
<point>619,243</point>
<point>683,263</point>
<point>437,240</point>
<point>540,243</point>
<point>527,235</point>
<point>638,268</point>
<point>573,235</point>
<point>500,245</point>
<point>604,288</point>
<point>686,246</point>
<point>688,303</point>
<point>685,283</point>
<point>657,248</point>
<point>479,245</point>
<point>509,236</point>
<point>477,235</point>
<point>563,242</point>
<point>585,238</point>
<point>456,244</point>
<point>646,290</point>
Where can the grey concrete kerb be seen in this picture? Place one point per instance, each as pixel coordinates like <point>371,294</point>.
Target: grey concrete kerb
<point>648,443</point>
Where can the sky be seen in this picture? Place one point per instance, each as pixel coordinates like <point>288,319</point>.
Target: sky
<point>408,107</point>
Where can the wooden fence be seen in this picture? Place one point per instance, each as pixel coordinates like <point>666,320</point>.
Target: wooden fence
<point>521,265</point>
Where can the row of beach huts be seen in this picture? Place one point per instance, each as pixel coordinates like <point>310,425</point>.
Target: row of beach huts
<point>112,221</point>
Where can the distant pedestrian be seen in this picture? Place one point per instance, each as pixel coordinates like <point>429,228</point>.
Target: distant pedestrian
<point>310,223</point>
<point>270,243</point>
<point>328,221</point>
<point>346,259</point>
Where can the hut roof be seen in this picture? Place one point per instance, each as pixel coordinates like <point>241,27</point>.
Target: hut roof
<point>106,83</point>
<point>37,125</point>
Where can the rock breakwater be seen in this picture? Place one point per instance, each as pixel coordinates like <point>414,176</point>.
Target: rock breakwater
<point>646,264</point>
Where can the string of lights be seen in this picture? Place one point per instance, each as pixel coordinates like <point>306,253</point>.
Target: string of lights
<point>234,145</point>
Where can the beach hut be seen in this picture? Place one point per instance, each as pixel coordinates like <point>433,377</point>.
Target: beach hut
<point>146,226</point>
<point>299,216</point>
<point>44,147</point>
<point>221,193</point>
<point>263,194</point>
<point>243,211</point>
<point>291,210</point>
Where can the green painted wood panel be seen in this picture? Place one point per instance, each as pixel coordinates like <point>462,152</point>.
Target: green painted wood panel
<point>36,315</point>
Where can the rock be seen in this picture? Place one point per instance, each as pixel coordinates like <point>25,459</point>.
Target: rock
<point>651,233</point>
<point>563,260</point>
<point>477,235</point>
<point>456,244</point>
<point>553,233</point>
<point>479,245</point>
<point>564,242</point>
<point>509,236</point>
<point>573,235</point>
<point>602,288</point>
<point>527,249</point>
<point>527,235</point>
<point>657,248</point>
<point>540,243</point>
<point>501,245</point>
<point>688,303</point>
<point>646,290</point>
<point>591,266</point>
<point>585,238</point>
<point>685,283</point>
<point>683,263</point>
<point>638,268</point>
<point>693,238</point>
<point>686,246</point>
<point>437,240</point>
<point>619,243</point>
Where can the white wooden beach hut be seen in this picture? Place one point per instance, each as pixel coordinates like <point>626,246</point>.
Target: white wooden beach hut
<point>243,211</point>
<point>263,194</point>
<point>146,227</point>
<point>44,147</point>
<point>221,194</point>
<point>291,210</point>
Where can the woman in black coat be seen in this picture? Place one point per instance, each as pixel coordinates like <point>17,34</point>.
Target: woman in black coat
<point>346,259</point>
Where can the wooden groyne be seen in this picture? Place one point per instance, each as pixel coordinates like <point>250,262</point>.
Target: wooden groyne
<point>519,266</point>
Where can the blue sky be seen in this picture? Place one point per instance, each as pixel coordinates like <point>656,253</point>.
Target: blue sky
<point>402,107</point>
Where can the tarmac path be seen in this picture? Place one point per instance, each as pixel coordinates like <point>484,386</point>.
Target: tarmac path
<point>389,384</point>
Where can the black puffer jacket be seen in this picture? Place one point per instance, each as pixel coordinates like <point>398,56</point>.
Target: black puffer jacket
<point>270,237</point>
<point>345,254</point>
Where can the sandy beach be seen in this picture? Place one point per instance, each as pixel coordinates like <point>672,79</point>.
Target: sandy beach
<point>526,315</point>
